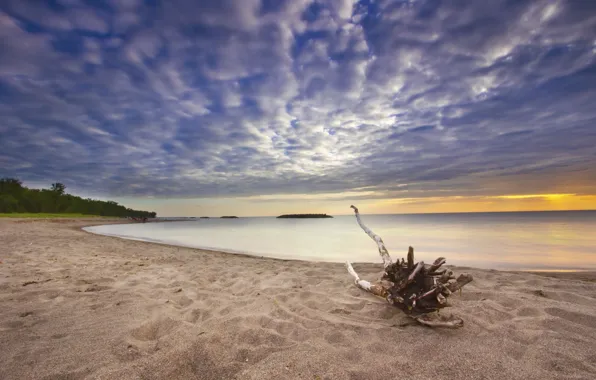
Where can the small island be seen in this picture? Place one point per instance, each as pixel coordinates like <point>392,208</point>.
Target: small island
<point>204,217</point>
<point>304,216</point>
<point>229,217</point>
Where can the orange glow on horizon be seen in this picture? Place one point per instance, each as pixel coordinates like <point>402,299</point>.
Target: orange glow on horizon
<point>499,203</point>
<point>338,204</point>
<point>528,196</point>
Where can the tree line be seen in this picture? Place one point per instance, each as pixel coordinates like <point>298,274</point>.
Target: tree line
<point>14,197</point>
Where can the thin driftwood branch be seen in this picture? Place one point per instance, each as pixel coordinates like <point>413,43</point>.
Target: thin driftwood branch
<point>439,321</point>
<point>410,257</point>
<point>437,264</point>
<point>415,288</point>
<point>461,281</point>
<point>416,270</point>
<point>377,290</point>
<point>382,250</point>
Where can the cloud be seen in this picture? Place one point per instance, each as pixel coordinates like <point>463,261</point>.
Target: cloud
<point>264,98</point>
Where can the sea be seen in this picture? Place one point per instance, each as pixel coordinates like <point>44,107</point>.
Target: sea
<point>552,241</point>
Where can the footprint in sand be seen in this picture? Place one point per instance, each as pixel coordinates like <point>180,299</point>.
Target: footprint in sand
<point>198,315</point>
<point>528,312</point>
<point>67,375</point>
<point>127,352</point>
<point>340,311</point>
<point>153,330</point>
<point>257,337</point>
<point>96,288</point>
<point>335,338</point>
<point>579,318</point>
<point>183,301</point>
<point>11,325</point>
<point>226,310</point>
<point>279,326</point>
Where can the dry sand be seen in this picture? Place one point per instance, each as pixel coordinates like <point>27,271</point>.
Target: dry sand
<point>81,306</point>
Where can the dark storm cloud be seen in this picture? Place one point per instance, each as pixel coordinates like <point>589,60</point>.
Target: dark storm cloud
<point>405,98</point>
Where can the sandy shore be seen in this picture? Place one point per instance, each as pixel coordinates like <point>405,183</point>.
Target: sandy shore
<point>80,306</point>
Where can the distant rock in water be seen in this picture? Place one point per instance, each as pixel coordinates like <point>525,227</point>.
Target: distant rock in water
<point>204,217</point>
<point>304,216</point>
<point>229,217</point>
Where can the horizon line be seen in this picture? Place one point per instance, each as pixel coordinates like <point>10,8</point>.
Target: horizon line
<point>410,213</point>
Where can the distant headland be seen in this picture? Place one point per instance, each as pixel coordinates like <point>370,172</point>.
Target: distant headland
<point>304,216</point>
<point>20,201</point>
<point>221,217</point>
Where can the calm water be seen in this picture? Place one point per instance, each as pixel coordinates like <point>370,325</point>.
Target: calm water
<point>546,240</point>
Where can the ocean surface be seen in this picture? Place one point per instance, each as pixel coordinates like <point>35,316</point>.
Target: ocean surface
<point>521,240</point>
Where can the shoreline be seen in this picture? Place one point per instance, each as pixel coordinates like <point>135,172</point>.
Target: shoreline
<point>591,271</point>
<point>87,306</point>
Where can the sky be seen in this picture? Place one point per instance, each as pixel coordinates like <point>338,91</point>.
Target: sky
<point>264,107</point>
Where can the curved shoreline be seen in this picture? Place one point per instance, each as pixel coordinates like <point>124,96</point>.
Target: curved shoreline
<point>313,259</point>
<point>200,249</point>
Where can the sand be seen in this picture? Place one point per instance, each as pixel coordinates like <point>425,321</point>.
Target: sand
<point>80,306</point>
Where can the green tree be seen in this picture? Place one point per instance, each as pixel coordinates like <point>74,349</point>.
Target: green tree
<point>14,197</point>
<point>10,186</point>
<point>58,188</point>
<point>8,203</point>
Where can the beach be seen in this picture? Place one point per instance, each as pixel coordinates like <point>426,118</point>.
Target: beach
<point>76,305</point>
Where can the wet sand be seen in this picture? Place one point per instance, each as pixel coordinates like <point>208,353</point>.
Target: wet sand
<point>80,306</point>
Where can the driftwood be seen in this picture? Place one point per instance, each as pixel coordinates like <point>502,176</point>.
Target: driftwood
<point>415,288</point>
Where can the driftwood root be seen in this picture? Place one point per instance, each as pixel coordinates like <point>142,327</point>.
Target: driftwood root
<point>415,288</point>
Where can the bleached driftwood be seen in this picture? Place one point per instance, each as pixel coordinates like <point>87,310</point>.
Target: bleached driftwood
<point>417,289</point>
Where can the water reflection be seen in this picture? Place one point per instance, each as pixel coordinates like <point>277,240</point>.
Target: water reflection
<point>551,240</point>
